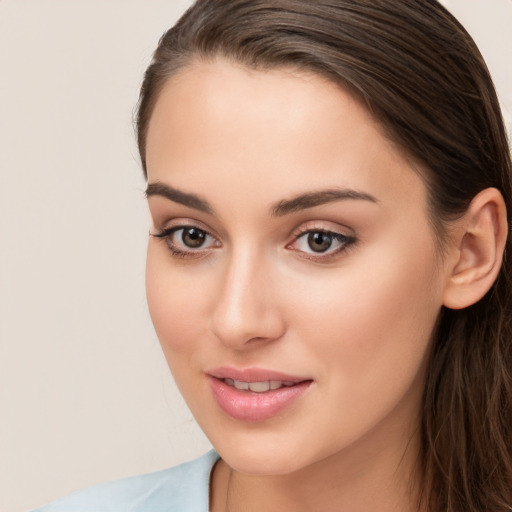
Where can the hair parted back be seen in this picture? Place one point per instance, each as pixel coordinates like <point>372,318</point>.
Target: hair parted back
<point>423,79</point>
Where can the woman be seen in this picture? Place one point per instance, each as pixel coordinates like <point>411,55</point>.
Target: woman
<point>328,271</point>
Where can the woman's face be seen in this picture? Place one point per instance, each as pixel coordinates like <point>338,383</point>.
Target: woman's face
<point>293,256</point>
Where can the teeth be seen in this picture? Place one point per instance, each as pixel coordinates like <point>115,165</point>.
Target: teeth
<point>258,387</point>
<point>241,385</point>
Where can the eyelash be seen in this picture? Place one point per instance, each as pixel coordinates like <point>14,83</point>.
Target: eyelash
<point>167,235</point>
<point>344,241</point>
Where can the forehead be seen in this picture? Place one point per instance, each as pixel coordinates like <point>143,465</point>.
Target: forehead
<point>281,128</point>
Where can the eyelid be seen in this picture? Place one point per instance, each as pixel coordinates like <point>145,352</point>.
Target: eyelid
<point>175,229</point>
<point>175,225</point>
<point>327,226</point>
<point>182,222</point>
<point>349,239</point>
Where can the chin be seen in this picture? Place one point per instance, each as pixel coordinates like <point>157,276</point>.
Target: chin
<point>266,464</point>
<point>263,455</point>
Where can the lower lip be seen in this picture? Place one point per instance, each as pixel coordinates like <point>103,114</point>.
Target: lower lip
<point>251,406</point>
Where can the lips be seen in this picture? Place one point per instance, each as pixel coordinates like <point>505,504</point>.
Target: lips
<point>255,394</point>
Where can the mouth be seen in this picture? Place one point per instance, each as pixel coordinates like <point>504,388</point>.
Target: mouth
<point>255,395</point>
<point>259,387</point>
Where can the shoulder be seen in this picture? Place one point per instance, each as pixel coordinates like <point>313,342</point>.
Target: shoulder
<point>184,487</point>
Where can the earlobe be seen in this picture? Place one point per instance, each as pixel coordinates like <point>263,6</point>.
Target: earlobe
<point>477,246</point>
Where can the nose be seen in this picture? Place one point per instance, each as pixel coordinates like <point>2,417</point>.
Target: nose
<point>246,311</point>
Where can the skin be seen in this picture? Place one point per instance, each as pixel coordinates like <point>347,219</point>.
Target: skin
<point>358,322</point>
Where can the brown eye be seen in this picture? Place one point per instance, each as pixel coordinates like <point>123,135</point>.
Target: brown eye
<point>321,245</point>
<point>319,241</point>
<point>188,241</point>
<point>193,237</point>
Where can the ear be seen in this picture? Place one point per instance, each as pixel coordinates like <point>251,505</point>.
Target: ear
<point>477,251</point>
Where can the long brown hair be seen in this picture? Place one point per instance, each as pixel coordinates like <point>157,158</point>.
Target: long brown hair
<point>422,77</point>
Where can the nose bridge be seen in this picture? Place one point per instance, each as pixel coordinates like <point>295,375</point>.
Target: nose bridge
<point>244,310</point>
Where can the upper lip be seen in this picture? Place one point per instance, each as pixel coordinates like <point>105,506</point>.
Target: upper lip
<point>253,374</point>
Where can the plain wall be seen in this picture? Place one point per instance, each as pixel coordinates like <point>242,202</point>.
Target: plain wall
<point>85,394</point>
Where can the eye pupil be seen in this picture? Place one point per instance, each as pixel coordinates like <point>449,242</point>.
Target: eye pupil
<point>319,241</point>
<point>193,237</point>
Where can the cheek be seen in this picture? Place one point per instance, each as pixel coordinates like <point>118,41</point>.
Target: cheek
<point>172,298</point>
<point>374,316</point>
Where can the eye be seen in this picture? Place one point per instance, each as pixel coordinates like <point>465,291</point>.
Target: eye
<point>187,241</point>
<point>191,237</point>
<point>319,243</point>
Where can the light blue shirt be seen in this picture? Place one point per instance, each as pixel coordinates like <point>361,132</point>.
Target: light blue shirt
<point>184,488</point>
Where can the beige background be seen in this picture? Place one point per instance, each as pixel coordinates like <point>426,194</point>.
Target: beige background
<point>85,395</point>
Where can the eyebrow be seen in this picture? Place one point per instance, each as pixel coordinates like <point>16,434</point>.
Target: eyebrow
<point>284,207</point>
<point>177,196</point>
<point>312,199</point>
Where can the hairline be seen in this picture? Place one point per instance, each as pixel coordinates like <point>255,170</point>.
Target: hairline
<point>195,58</point>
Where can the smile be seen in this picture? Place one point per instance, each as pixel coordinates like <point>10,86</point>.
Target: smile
<point>255,394</point>
<point>258,387</point>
